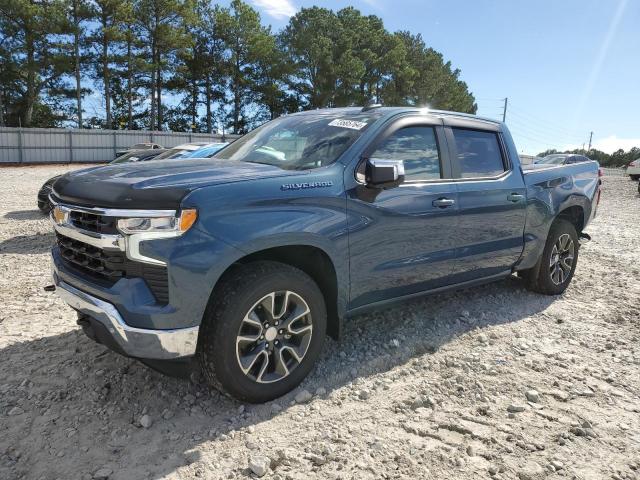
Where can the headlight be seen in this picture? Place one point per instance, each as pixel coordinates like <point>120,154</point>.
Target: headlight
<point>179,224</point>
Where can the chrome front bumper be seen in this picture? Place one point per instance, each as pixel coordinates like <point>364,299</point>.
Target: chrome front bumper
<point>135,342</point>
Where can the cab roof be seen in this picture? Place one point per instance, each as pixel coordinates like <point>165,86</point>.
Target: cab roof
<point>391,111</point>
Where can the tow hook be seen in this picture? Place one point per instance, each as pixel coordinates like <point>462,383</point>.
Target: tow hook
<point>50,288</point>
<point>584,238</point>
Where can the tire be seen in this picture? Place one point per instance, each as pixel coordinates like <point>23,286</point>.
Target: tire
<point>634,177</point>
<point>234,329</point>
<point>545,277</point>
<point>44,207</point>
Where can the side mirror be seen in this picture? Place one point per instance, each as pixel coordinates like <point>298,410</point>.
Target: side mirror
<point>384,173</point>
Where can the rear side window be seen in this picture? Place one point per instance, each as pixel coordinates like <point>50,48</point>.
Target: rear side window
<point>478,153</point>
<point>417,148</point>
<point>577,159</point>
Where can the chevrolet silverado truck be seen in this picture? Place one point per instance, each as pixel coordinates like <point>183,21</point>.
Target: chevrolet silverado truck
<point>243,263</point>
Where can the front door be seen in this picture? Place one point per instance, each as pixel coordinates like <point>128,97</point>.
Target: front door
<point>400,239</point>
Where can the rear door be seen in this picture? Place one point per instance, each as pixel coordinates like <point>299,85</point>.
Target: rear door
<point>491,201</point>
<point>401,238</point>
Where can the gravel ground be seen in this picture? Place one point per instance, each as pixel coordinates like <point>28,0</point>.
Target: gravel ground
<point>487,382</point>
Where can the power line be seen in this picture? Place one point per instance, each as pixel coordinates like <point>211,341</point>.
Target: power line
<point>547,126</point>
<point>544,122</point>
<point>535,129</point>
<point>526,117</point>
<point>539,141</point>
<point>551,134</point>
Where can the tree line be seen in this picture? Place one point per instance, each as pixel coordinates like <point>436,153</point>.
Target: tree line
<point>619,158</point>
<point>192,64</point>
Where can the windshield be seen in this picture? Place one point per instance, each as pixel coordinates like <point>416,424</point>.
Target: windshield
<point>127,157</point>
<point>137,156</point>
<point>553,159</point>
<point>299,142</point>
<point>174,153</point>
<point>206,151</point>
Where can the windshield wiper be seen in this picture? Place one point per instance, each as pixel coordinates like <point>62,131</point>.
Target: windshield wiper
<point>260,163</point>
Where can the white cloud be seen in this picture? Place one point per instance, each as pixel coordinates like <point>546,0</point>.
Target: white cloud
<point>279,9</point>
<point>610,144</point>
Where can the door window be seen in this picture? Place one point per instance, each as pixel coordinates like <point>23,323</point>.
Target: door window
<point>417,147</point>
<point>478,153</point>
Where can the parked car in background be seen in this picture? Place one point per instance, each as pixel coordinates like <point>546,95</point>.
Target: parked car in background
<point>633,169</point>
<point>139,146</point>
<point>139,156</point>
<point>207,151</point>
<point>134,156</point>
<point>527,159</point>
<point>562,159</point>
<point>182,151</point>
<point>247,260</point>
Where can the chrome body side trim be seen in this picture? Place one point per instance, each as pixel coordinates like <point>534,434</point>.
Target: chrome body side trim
<point>114,212</point>
<point>136,342</point>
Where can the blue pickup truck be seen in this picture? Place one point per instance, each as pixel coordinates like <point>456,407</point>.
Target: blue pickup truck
<point>244,262</point>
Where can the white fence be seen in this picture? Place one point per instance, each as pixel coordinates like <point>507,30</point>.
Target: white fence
<point>57,145</point>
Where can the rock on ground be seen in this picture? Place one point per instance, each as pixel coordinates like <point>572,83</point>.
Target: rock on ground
<point>259,465</point>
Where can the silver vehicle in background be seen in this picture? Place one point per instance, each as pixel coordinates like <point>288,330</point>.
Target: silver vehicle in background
<point>182,150</point>
<point>139,146</point>
<point>562,159</point>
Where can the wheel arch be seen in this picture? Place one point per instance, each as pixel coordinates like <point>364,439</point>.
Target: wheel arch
<point>543,213</point>
<point>312,260</point>
<point>575,215</point>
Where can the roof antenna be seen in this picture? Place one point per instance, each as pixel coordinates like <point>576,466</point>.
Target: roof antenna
<point>371,104</point>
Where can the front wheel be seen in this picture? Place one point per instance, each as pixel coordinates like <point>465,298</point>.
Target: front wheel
<point>263,331</point>
<point>555,269</point>
<point>44,207</point>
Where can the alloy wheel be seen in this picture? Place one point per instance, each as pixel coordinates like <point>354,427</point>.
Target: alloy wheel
<point>562,257</point>
<point>274,336</point>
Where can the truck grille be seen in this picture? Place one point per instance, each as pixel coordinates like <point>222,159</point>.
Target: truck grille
<point>107,266</point>
<point>93,222</point>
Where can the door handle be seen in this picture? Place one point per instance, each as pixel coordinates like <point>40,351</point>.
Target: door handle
<point>515,197</point>
<point>443,202</point>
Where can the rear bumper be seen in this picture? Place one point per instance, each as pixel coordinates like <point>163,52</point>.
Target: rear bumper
<point>131,341</point>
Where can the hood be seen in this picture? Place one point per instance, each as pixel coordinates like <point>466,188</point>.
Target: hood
<point>157,184</point>
<point>52,180</point>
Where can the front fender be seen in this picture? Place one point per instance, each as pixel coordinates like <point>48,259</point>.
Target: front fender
<point>260,215</point>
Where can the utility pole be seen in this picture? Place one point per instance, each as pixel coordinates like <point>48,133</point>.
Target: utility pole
<point>504,112</point>
<point>590,138</point>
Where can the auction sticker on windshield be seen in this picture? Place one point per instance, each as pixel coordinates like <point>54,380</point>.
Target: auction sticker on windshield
<point>352,124</point>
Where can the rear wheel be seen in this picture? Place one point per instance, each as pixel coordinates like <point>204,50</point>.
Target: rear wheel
<point>556,266</point>
<point>262,332</point>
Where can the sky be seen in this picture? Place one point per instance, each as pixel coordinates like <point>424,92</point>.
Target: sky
<point>567,67</point>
